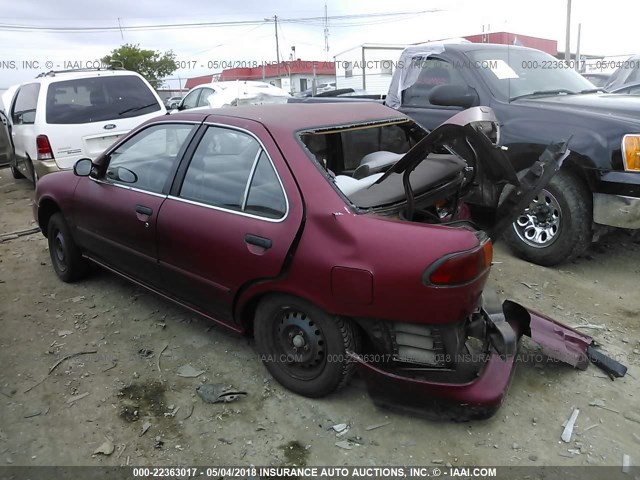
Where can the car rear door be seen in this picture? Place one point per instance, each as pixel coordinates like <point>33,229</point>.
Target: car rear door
<point>231,219</point>
<point>116,210</point>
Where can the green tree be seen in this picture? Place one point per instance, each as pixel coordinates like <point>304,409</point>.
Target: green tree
<point>152,65</point>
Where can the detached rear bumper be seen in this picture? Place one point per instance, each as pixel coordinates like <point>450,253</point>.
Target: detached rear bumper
<point>481,397</point>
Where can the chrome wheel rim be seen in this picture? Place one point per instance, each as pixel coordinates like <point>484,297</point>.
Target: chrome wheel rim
<point>538,226</point>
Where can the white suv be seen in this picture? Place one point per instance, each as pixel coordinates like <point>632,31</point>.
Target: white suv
<point>61,117</point>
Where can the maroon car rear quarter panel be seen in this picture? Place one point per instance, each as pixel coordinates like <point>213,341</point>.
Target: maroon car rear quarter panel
<point>352,285</point>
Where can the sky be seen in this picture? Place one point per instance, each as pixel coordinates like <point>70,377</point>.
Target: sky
<point>610,30</point>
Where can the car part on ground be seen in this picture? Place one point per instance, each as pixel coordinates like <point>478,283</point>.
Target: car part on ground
<point>320,275</point>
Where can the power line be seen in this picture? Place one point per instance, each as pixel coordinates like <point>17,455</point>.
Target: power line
<point>133,28</point>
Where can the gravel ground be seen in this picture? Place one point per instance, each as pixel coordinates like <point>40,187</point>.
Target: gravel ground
<point>128,396</point>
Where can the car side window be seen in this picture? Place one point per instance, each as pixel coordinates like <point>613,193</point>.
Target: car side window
<point>265,197</point>
<point>24,108</point>
<point>433,72</point>
<point>204,96</point>
<point>146,160</point>
<point>191,100</point>
<point>229,169</point>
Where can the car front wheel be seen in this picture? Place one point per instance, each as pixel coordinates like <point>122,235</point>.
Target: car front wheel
<point>66,258</point>
<point>303,347</point>
<point>556,226</point>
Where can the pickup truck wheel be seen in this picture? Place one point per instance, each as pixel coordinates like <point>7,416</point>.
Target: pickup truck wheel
<point>66,259</point>
<point>556,226</point>
<point>303,347</point>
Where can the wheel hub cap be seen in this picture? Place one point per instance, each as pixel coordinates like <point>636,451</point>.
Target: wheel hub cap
<point>539,224</point>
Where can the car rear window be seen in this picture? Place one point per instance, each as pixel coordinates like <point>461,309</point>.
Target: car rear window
<point>96,99</point>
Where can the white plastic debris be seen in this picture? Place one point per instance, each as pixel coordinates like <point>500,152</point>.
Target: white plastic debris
<point>626,463</point>
<point>568,429</point>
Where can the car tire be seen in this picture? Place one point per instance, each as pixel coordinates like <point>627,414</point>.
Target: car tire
<point>34,173</point>
<point>66,259</point>
<point>17,174</point>
<point>563,231</point>
<point>315,343</point>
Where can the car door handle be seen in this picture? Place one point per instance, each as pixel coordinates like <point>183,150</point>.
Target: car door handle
<point>141,209</point>
<point>257,241</point>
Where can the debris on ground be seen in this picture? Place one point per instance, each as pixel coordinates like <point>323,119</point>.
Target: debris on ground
<point>106,448</point>
<point>626,463</point>
<point>67,357</point>
<point>145,427</point>
<point>340,428</point>
<point>632,415</point>
<point>188,371</point>
<point>145,352</point>
<point>345,444</point>
<point>597,403</point>
<point>77,397</point>
<point>377,425</point>
<point>64,333</point>
<point>568,429</point>
<point>218,393</point>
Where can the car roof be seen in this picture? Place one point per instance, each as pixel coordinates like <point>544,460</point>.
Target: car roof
<point>308,116</point>
<point>60,76</point>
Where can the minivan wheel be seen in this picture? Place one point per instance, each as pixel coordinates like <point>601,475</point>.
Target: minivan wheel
<point>66,259</point>
<point>17,174</point>
<point>303,347</point>
<point>556,226</point>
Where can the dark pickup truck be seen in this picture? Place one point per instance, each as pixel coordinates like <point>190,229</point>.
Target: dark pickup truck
<point>537,101</point>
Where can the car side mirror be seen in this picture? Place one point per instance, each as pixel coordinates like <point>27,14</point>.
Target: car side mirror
<point>122,174</point>
<point>83,167</point>
<point>452,95</point>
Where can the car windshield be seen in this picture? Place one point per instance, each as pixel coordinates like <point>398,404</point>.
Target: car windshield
<point>97,99</point>
<point>513,73</point>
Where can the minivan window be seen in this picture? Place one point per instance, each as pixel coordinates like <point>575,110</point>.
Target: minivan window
<point>97,99</point>
<point>24,109</point>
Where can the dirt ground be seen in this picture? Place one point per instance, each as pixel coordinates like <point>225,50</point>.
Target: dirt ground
<point>141,341</point>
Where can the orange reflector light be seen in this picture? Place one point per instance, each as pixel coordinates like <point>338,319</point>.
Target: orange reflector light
<point>631,152</point>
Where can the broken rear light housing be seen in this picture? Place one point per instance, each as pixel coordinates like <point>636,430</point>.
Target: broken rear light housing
<point>460,268</point>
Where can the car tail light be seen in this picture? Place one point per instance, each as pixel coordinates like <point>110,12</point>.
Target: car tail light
<point>460,268</point>
<point>44,148</point>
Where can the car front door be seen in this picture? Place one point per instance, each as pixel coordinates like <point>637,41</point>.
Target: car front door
<point>116,210</point>
<point>23,130</point>
<point>6,145</point>
<point>231,219</point>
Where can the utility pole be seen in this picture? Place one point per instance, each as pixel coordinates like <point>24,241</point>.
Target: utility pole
<point>275,21</point>
<point>567,46</point>
<point>326,33</point>
<point>578,62</point>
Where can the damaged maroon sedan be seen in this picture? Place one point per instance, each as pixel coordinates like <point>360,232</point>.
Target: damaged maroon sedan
<point>337,235</point>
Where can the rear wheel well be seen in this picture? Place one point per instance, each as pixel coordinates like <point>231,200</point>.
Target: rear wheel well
<point>46,209</point>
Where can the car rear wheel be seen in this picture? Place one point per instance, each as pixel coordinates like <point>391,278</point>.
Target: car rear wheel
<point>556,226</point>
<point>303,347</point>
<point>66,259</point>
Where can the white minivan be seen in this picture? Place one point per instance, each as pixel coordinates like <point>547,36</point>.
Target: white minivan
<point>60,117</point>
